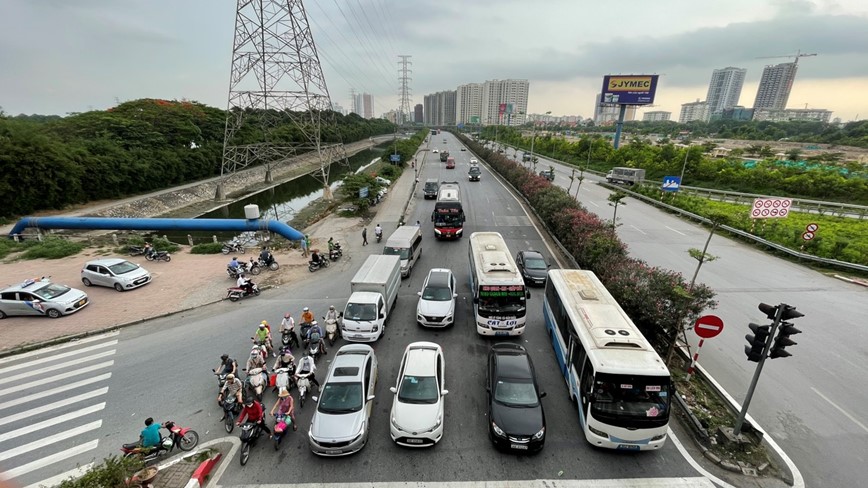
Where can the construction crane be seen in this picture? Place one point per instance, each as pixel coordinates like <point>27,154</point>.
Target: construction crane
<point>799,54</point>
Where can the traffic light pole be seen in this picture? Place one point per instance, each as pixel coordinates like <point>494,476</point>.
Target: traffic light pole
<point>736,431</point>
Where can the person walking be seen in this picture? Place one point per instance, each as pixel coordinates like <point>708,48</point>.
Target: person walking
<point>304,247</point>
<point>365,236</point>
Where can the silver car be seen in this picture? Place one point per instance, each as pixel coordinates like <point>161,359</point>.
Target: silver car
<point>41,297</point>
<point>116,273</point>
<point>340,424</point>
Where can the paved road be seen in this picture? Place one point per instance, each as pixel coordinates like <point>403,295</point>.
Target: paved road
<point>812,404</point>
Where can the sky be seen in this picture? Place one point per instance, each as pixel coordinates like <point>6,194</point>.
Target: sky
<point>65,56</point>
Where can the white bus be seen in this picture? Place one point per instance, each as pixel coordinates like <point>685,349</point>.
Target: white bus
<point>620,384</point>
<point>499,294</point>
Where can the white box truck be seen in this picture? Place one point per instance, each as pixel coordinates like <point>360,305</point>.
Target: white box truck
<point>374,290</point>
<point>627,176</point>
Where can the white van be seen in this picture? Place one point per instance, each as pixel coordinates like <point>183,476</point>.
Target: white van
<point>406,242</point>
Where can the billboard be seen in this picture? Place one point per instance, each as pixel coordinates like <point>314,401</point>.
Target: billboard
<point>629,89</point>
<point>505,108</point>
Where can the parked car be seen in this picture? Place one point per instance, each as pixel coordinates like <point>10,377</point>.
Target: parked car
<point>436,307</point>
<point>341,422</point>
<point>116,273</point>
<point>533,267</point>
<point>516,420</point>
<point>416,419</point>
<point>383,181</point>
<point>41,297</point>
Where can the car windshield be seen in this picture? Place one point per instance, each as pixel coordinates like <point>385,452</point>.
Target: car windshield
<point>535,263</point>
<point>123,267</point>
<point>397,251</point>
<point>437,293</point>
<point>361,311</point>
<point>474,169</point>
<point>418,389</point>
<point>515,393</point>
<point>338,398</point>
<point>50,292</point>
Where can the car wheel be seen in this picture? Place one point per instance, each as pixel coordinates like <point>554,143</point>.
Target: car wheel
<point>53,313</point>
<point>118,287</point>
<point>86,282</point>
<point>2,315</point>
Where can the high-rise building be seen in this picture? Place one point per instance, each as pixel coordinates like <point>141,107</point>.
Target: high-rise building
<point>417,113</point>
<point>724,89</point>
<point>439,108</point>
<point>428,102</point>
<point>694,111</point>
<point>607,114</point>
<point>656,116</point>
<point>774,87</point>
<point>506,95</point>
<point>468,104</point>
<point>363,104</point>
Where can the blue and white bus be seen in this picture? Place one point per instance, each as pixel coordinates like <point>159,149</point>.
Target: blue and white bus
<point>621,385</point>
<point>499,294</point>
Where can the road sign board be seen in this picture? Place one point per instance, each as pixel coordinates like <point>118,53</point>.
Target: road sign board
<point>671,183</point>
<point>708,326</point>
<point>812,227</point>
<point>770,208</point>
<point>395,158</point>
<point>808,236</point>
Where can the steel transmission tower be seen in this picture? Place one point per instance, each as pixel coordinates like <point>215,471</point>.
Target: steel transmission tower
<point>277,84</point>
<point>404,109</point>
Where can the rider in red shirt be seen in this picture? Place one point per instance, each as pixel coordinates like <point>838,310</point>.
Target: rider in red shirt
<point>253,411</point>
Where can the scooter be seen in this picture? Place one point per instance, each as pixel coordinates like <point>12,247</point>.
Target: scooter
<point>305,326</point>
<point>231,409</point>
<point>135,250</point>
<point>235,272</point>
<point>335,253</point>
<point>314,349</point>
<point>232,246</point>
<point>283,378</point>
<point>273,265</point>
<point>379,237</point>
<point>255,383</point>
<point>303,384</point>
<point>332,328</point>
<point>313,266</point>
<point>155,255</point>
<point>237,293</point>
<point>288,338</point>
<point>250,432</point>
<point>282,423</point>
<point>184,438</point>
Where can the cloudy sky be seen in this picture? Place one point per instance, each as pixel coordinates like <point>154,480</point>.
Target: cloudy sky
<point>60,56</point>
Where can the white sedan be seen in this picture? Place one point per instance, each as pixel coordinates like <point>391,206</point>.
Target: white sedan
<point>435,151</point>
<point>417,410</point>
<point>436,307</point>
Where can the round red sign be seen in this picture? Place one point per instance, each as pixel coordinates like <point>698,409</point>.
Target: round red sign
<point>708,326</point>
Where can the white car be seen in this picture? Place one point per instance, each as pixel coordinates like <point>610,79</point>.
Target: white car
<point>435,151</point>
<point>116,273</point>
<point>383,181</point>
<point>436,306</point>
<point>417,410</point>
<point>473,161</point>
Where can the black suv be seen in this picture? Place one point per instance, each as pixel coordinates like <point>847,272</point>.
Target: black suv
<point>548,174</point>
<point>430,189</point>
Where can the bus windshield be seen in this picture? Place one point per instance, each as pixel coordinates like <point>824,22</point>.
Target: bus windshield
<point>448,220</point>
<point>631,400</point>
<point>503,302</point>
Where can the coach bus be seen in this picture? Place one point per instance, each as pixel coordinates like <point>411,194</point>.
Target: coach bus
<point>499,294</point>
<point>621,386</point>
<point>448,215</point>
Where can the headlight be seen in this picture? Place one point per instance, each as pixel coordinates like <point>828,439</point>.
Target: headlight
<point>375,328</point>
<point>658,437</point>
<point>598,432</point>
<point>539,435</point>
<point>497,430</point>
<point>437,231</point>
<point>360,434</point>
<point>420,318</point>
<point>437,424</point>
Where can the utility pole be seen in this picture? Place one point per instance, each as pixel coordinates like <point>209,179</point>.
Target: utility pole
<point>404,105</point>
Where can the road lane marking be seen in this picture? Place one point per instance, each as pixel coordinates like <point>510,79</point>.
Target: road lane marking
<point>692,462</point>
<point>45,441</point>
<point>36,372</point>
<point>52,421</point>
<point>593,203</point>
<point>56,480</point>
<point>855,421</point>
<point>57,377</point>
<point>674,230</point>
<point>56,357</point>
<point>638,229</point>
<point>42,462</point>
<point>51,406</point>
<point>54,391</point>
<point>58,347</point>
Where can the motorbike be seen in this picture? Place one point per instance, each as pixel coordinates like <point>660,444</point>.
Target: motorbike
<point>332,328</point>
<point>379,236</point>
<point>250,432</point>
<point>237,293</point>
<point>287,339</point>
<point>273,265</point>
<point>231,409</point>
<point>335,252</point>
<point>283,378</point>
<point>232,247</point>
<point>255,383</point>
<point>184,438</point>
<point>314,349</point>
<point>235,272</point>
<point>282,423</point>
<point>313,266</point>
<point>135,250</point>
<point>155,255</point>
<point>303,384</point>
<point>305,326</point>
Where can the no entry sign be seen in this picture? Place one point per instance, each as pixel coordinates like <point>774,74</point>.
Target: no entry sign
<point>708,326</point>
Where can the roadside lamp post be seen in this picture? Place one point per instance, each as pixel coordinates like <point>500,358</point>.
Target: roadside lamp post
<point>684,166</point>
<point>533,139</point>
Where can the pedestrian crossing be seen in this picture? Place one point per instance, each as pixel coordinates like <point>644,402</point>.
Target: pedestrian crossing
<point>51,404</point>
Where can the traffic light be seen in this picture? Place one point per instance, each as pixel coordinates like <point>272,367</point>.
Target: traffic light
<point>757,342</point>
<point>785,330</point>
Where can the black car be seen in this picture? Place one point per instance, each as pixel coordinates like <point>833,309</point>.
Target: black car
<point>533,266</point>
<point>516,418</point>
<point>548,174</point>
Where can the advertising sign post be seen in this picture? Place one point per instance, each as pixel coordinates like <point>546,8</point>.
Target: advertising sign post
<point>626,90</point>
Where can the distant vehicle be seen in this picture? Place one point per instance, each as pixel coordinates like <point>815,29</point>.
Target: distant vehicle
<point>416,419</point>
<point>116,273</point>
<point>41,297</point>
<point>435,151</point>
<point>430,189</point>
<point>436,307</point>
<point>628,176</point>
<point>548,174</point>
<point>450,163</point>
<point>463,148</point>
<point>383,181</point>
<point>516,418</point>
<point>443,156</point>
<point>474,173</point>
<point>525,157</point>
<point>474,161</point>
<point>533,267</point>
<point>341,422</point>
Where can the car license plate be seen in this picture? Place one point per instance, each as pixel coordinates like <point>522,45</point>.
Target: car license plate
<point>333,451</point>
<point>414,441</point>
<point>356,336</point>
<point>628,447</point>
<point>81,302</point>
<point>501,333</point>
<point>520,447</point>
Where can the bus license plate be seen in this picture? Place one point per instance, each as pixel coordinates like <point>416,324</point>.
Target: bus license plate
<point>520,447</point>
<point>501,333</point>
<point>628,447</point>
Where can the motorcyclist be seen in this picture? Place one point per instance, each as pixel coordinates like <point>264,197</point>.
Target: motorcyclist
<point>315,257</point>
<point>151,433</point>
<point>315,334</point>
<point>253,411</point>
<point>232,387</point>
<point>286,360</point>
<point>148,250</point>
<point>306,316</point>
<point>227,366</point>
<point>288,324</point>
<point>378,232</point>
<point>245,283</point>
<point>331,244</point>
<point>234,264</point>
<point>263,336</point>
<point>257,361</point>
<point>332,314</point>
<point>285,405</point>
<point>307,368</point>
<point>266,257</point>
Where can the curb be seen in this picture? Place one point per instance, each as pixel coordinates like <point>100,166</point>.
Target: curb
<point>855,281</point>
<point>202,472</point>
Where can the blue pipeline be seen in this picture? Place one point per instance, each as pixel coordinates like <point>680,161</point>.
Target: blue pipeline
<point>107,223</point>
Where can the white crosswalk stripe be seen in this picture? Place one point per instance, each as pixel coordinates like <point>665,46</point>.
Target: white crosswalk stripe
<point>52,400</point>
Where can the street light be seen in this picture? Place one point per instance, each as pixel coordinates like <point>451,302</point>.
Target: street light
<point>533,139</point>
<point>684,166</point>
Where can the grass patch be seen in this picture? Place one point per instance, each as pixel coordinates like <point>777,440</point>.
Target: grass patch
<point>51,248</point>
<point>207,248</point>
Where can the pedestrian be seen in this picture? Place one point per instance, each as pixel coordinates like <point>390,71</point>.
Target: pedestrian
<point>304,247</point>
<point>307,243</point>
<point>365,236</point>
<point>418,224</point>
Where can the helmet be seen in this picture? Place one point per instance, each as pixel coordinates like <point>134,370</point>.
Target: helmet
<point>230,377</point>
<point>235,258</point>
<point>249,401</point>
<point>167,442</point>
<point>305,309</point>
<point>262,325</point>
<point>287,315</point>
<point>331,307</point>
